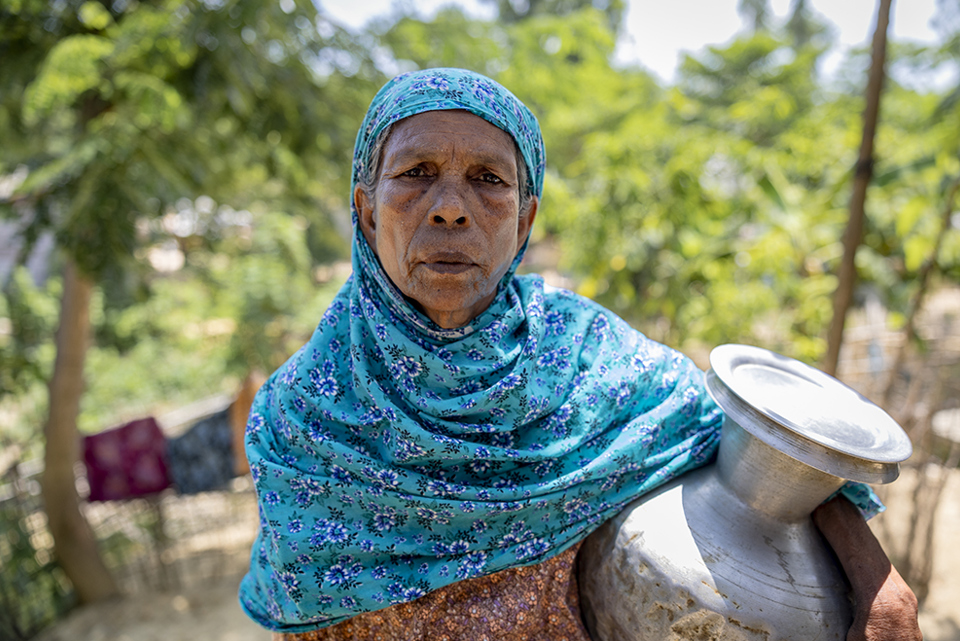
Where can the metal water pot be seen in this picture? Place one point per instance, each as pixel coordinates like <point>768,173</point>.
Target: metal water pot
<point>729,551</point>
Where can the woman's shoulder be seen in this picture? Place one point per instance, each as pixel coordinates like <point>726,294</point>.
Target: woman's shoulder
<point>569,309</point>
<point>558,297</point>
<point>567,314</point>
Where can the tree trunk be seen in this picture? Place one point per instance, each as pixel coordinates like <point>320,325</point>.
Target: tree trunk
<point>864,173</point>
<point>74,541</point>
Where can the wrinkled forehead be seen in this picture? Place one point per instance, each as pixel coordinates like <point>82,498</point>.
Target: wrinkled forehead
<point>452,89</point>
<point>436,134</point>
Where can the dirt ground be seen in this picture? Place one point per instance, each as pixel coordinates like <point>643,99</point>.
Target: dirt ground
<point>213,614</point>
<point>940,614</point>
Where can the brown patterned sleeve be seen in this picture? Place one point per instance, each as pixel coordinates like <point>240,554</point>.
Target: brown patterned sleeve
<point>535,603</point>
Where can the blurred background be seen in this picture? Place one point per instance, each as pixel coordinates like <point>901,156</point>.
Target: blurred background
<point>174,183</point>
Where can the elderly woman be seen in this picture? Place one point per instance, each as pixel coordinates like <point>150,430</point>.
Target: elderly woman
<point>428,463</point>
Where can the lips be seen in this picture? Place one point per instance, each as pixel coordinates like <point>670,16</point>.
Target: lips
<point>448,262</point>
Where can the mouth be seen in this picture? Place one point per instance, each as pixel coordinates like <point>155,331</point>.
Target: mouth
<point>448,263</point>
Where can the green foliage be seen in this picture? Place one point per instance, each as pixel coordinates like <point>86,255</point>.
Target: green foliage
<point>28,318</point>
<point>592,94</point>
<point>246,299</point>
<point>132,108</point>
<point>221,133</point>
<point>756,87</point>
<point>119,113</point>
<point>70,69</point>
<point>713,212</point>
<point>33,590</point>
<point>28,315</point>
<point>477,45</point>
<point>512,11</point>
<point>193,157</point>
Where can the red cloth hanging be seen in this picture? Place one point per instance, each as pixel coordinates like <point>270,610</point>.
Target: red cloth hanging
<point>126,461</point>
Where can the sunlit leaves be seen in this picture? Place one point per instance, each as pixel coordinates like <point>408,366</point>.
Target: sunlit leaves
<point>714,213</point>
<point>450,39</point>
<point>118,113</point>
<point>576,49</point>
<point>152,103</point>
<point>72,67</point>
<point>28,316</point>
<point>916,250</point>
<point>754,87</point>
<point>526,10</point>
<point>94,16</point>
<point>62,169</point>
<point>154,41</point>
<point>704,213</point>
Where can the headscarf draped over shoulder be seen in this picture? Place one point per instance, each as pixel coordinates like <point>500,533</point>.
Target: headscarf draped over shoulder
<point>392,457</point>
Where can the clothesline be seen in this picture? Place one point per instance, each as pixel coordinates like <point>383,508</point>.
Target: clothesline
<point>140,458</point>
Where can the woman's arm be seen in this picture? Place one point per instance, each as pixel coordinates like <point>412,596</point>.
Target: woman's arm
<point>885,608</point>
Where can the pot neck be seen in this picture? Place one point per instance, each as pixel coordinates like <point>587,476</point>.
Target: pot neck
<point>768,480</point>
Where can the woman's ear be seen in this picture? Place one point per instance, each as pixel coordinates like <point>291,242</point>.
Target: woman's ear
<point>525,221</point>
<point>366,216</point>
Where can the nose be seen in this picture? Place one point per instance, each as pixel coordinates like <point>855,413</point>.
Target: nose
<point>449,206</point>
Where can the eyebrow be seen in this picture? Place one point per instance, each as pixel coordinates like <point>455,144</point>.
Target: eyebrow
<point>416,154</point>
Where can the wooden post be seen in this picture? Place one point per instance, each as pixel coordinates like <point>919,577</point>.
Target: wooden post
<point>847,276</point>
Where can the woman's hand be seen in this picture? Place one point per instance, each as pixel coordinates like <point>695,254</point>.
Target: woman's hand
<point>885,608</point>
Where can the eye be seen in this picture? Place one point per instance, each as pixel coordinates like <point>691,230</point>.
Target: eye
<point>493,179</point>
<point>415,172</point>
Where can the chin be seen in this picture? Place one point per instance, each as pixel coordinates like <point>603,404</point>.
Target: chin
<point>456,309</point>
<point>448,305</point>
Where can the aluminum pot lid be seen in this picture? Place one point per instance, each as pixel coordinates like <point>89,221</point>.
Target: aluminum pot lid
<point>765,392</point>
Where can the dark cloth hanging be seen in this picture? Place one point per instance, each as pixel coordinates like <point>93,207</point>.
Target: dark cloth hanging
<point>127,461</point>
<point>202,458</point>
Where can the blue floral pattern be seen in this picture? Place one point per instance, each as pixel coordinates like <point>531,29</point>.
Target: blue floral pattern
<point>369,498</point>
<point>392,457</point>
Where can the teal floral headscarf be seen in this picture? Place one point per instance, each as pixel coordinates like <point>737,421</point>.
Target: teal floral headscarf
<point>392,457</point>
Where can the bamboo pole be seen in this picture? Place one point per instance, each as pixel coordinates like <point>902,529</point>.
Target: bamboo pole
<point>847,276</point>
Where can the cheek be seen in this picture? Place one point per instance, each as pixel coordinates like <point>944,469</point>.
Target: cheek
<point>390,218</point>
<point>504,220</point>
<point>394,236</point>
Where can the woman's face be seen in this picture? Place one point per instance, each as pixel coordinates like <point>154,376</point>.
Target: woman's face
<point>446,223</point>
